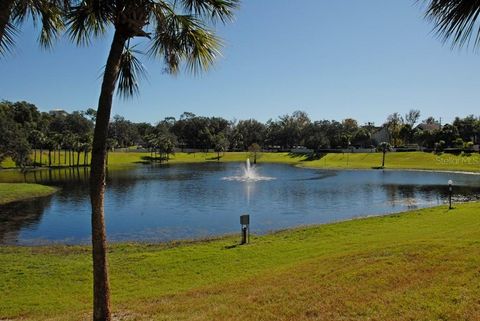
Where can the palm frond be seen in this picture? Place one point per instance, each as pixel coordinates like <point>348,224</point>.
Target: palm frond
<point>184,38</point>
<point>131,70</point>
<point>52,22</point>
<point>7,41</point>
<point>456,20</point>
<point>49,12</point>
<point>89,19</point>
<point>213,10</point>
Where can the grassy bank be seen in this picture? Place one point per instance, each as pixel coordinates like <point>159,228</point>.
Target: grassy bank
<point>11,192</point>
<point>421,265</point>
<point>408,160</point>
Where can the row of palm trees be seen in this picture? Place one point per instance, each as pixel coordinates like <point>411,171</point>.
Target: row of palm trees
<point>74,149</point>
<point>178,32</point>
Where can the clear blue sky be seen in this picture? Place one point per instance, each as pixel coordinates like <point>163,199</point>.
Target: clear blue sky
<point>332,59</point>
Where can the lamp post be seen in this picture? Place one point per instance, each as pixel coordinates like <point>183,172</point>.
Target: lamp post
<point>450,190</point>
<point>245,223</point>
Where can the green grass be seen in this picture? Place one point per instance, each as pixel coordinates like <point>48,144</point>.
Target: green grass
<point>408,160</point>
<point>11,192</point>
<point>421,265</point>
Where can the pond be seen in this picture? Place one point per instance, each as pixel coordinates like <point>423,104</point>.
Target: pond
<point>169,202</point>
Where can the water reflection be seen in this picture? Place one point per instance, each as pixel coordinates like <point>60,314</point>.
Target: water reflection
<point>21,215</point>
<point>162,202</point>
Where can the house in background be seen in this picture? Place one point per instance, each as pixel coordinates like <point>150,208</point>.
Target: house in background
<point>380,134</point>
<point>58,112</point>
<point>430,127</point>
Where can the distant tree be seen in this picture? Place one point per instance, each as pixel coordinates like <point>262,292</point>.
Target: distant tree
<point>250,131</point>
<point>406,133</point>
<point>166,145</point>
<point>439,146</point>
<point>468,127</point>
<point>316,136</point>
<point>255,151</point>
<point>361,137</point>
<point>350,126</point>
<point>412,117</point>
<point>91,114</point>
<point>220,144</point>
<point>448,134</point>
<point>393,124</point>
<point>123,131</point>
<point>288,131</point>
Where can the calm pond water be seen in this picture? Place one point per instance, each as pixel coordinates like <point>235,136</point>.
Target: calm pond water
<point>163,202</point>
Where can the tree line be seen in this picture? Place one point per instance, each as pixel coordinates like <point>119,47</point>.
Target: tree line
<point>66,138</point>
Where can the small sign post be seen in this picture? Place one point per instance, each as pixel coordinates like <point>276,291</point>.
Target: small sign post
<point>245,223</point>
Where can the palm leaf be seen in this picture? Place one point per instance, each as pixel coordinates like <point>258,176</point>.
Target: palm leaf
<point>456,20</point>
<point>89,19</point>
<point>184,38</point>
<point>48,12</point>
<point>212,9</point>
<point>7,41</point>
<point>52,22</point>
<point>131,69</point>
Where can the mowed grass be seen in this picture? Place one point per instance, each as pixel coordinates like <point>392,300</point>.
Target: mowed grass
<point>400,160</point>
<point>407,160</point>
<point>421,265</point>
<point>125,159</point>
<point>11,192</point>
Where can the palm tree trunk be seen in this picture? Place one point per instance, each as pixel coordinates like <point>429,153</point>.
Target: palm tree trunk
<point>5,10</point>
<point>101,286</point>
<point>383,159</point>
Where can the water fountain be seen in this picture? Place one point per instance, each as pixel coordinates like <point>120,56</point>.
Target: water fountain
<point>249,174</point>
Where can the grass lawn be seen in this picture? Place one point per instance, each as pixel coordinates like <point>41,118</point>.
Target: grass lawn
<point>421,265</point>
<point>11,192</point>
<point>408,160</point>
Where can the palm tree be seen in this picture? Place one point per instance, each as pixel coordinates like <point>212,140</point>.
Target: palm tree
<point>178,31</point>
<point>14,12</point>
<point>384,147</point>
<point>455,20</point>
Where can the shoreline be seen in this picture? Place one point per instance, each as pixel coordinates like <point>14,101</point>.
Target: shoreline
<point>18,192</point>
<point>390,169</point>
<point>167,244</point>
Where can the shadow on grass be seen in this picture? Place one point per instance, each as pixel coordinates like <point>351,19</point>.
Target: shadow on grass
<point>151,159</point>
<point>307,157</point>
<point>214,158</point>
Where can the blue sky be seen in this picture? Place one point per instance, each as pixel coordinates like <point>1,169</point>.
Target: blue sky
<point>332,59</point>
